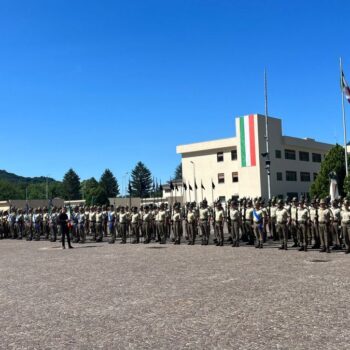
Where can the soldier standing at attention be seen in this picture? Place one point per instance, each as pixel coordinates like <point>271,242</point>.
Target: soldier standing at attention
<point>28,225</point>
<point>177,224</point>
<point>345,224</point>
<point>111,224</point>
<point>123,224</point>
<point>249,222</point>
<point>146,225</point>
<point>37,224</point>
<point>160,224</point>
<point>335,225</point>
<point>313,210</point>
<point>11,219</point>
<point>294,222</point>
<point>273,209</point>
<point>135,225</point>
<point>303,219</point>
<point>99,224</point>
<point>19,224</point>
<point>325,217</point>
<point>86,215</point>
<point>81,226</point>
<point>104,221</point>
<point>204,222</point>
<point>234,219</point>
<point>191,225</point>
<point>219,225</point>
<point>92,223</point>
<point>258,224</point>
<point>282,218</point>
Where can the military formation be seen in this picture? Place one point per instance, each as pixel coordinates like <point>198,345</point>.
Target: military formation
<point>317,224</point>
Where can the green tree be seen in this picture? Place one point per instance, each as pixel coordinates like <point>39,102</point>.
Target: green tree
<point>9,191</point>
<point>109,184</point>
<point>178,172</point>
<point>141,181</point>
<point>334,161</point>
<point>94,194</point>
<point>71,185</point>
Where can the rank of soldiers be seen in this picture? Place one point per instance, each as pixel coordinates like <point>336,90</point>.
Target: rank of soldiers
<point>318,224</point>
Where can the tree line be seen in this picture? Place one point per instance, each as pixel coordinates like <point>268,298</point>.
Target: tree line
<point>141,184</point>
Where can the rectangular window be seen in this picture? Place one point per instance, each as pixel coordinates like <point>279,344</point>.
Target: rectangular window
<point>316,158</point>
<point>291,176</point>
<point>304,156</point>
<point>221,178</point>
<point>289,154</point>
<point>234,154</point>
<point>278,153</point>
<point>220,156</point>
<point>305,176</point>
<point>315,175</point>
<point>279,176</point>
<point>235,176</point>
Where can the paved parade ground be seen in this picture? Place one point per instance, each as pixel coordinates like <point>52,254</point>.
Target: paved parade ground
<point>101,296</point>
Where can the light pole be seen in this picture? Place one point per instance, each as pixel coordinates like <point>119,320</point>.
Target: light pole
<point>194,181</point>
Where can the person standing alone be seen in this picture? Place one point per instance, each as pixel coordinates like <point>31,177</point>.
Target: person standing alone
<point>63,222</point>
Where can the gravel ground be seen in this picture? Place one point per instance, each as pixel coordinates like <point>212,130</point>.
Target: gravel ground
<point>101,296</point>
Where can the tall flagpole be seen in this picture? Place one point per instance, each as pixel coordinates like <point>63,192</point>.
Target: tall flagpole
<point>267,139</point>
<point>344,120</point>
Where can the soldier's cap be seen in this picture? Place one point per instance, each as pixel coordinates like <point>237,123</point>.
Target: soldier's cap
<point>322,201</point>
<point>146,207</point>
<point>280,201</point>
<point>294,199</point>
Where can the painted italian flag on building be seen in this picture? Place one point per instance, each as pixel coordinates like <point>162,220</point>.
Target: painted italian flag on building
<point>247,135</point>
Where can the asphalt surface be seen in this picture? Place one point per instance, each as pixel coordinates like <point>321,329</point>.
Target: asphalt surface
<point>101,296</point>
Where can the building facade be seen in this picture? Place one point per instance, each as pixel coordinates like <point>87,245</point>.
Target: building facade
<point>237,166</point>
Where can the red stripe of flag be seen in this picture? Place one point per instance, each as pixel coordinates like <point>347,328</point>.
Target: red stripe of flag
<point>252,140</point>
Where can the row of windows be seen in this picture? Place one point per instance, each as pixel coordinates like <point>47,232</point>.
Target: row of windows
<point>221,177</point>
<point>288,154</point>
<point>292,176</point>
<point>220,155</point>
<point>303,156</point>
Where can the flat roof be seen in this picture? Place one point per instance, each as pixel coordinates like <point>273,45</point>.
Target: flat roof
<point>207,145</point>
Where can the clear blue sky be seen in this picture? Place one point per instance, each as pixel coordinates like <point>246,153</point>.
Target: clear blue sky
<point>103,84</point>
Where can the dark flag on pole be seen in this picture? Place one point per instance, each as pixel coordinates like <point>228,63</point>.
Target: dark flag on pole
<point>171,186</point>
<point>195,185</point>
<point>202,187</point>
<point>176,188</point>
<point>345,87</point>
<point>161,188</point>
<point>185,186</point>
<point>212,185</point>
<point>189,187</point>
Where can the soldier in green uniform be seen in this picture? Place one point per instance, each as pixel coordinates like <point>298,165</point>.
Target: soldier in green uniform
<point>282,219</point>
<point>234,220</point>
<point>191,223</point>
<point>345,224</point>
<point>135,226</point>
<point>325,217</point>
<point>302,225</point>
<point>219,224</point>
<point>204,223</point>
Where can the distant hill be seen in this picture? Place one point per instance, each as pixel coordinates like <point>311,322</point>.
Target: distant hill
<point>6,176</point>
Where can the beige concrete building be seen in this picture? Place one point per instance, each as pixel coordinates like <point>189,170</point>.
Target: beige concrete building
<point>237,167</point>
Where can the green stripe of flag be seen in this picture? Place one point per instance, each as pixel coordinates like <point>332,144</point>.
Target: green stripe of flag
<point>242,134</point>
